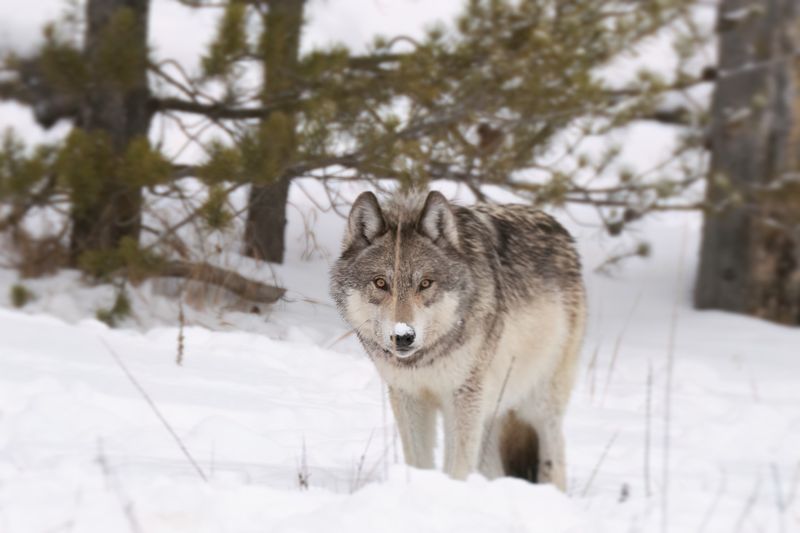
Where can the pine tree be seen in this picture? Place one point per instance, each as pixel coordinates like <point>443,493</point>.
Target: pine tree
<point>279,48</point>
<point>102,87</point>
<point>480,105</point>
<point>482,102</point>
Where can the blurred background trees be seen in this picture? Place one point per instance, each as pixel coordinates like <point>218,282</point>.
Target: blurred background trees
<point>506,96</point>
<point>750,257</point>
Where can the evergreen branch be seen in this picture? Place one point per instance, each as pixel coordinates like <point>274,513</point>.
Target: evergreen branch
<point>374,60</point>
<point>709,74</point>
<point>199,4</point>
<point>679,116</point>
<point>38,198</point>
<point>47,108</point>
<point>13,90</point>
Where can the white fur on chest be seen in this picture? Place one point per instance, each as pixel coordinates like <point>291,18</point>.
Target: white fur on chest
<point>440,378</point>
<point>530,346</point>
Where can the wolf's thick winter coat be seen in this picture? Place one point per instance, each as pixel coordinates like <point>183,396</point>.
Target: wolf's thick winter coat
<point>475,312</point>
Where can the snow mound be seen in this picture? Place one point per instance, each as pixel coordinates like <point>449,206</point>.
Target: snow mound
<point>401,329</point>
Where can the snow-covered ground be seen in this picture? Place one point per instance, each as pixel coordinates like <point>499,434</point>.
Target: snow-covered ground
<point>271,403</point>
<point>680,421</point>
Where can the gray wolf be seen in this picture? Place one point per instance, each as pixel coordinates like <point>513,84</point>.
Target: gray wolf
<point>475,312</point>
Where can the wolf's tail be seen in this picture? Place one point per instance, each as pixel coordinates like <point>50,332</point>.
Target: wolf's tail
<point>519,448</point>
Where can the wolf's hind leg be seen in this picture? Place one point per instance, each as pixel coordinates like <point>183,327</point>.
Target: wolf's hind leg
<point>416,422</point>
<point>552,461</point>
<point>547,410</point>
<point>544,418</point>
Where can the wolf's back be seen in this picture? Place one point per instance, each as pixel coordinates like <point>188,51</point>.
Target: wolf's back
<point>535,254</point>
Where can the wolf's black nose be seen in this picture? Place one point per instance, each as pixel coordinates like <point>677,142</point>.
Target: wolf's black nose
<point>403,341</point>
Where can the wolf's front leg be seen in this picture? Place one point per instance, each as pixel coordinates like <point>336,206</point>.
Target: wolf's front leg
<point>416,421</point>
<point>463,430</point>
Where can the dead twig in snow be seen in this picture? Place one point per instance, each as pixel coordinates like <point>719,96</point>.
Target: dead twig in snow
<point>303,475</point>
<point>248,289</point>
<point>155,410</point>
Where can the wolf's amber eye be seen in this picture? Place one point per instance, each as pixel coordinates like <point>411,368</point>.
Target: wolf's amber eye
<point>425,284</point>
<point>380,283</point>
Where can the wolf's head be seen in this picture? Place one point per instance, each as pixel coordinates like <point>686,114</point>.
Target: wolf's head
<point>402,281</point>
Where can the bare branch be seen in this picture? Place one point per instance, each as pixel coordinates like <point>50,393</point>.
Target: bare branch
<point>248,289</point>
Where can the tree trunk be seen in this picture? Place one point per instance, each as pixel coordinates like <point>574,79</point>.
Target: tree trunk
<point>114,107</point>
<point>750,255</point>
<point>266,216</point>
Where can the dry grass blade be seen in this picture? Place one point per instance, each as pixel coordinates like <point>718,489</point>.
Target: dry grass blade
<point>618,344</point>
<point>600,461</point>
<point>487,434</point>
<point>346,334</point>
<point>749,504</point>
<point>358,480</point>
<point>155,410</point>
<point>648,428</point>
<point>340,338</point>
<point>591,370</point>
<point>181,337</point>
<point>780,502</point>
<point>795,483</point>
<point>114,484</point>
<point>385,422</point>
<point>673,328</point>
<point>714,503</point>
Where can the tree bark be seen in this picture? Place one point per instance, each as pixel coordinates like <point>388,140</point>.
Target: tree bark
<point>114,105</point>
<point>750,255</point>
<point>266,216</point>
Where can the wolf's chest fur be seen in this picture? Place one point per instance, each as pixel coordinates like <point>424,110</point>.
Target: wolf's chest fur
<point>529,344</point>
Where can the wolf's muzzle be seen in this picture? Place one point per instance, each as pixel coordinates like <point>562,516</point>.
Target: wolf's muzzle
<point>403,342</point>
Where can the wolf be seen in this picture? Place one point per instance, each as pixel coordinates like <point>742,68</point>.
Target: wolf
<point>477,313</point>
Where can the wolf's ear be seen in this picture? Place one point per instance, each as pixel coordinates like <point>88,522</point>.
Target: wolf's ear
<point>365,221</point>
<point>437,220</point>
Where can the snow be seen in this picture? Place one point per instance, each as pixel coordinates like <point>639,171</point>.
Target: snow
<point>738,15</point>
<point>269,404</point>
<point>289,422</point>
<point>401,329</point>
